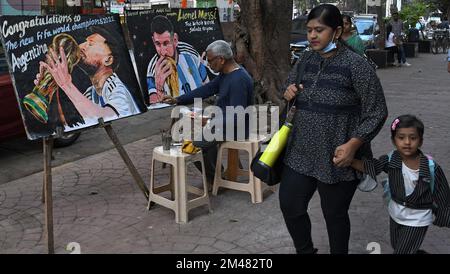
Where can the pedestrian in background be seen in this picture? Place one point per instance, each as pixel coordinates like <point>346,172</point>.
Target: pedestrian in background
<point>340,108</point>
<point>397,29</point>
<point>351,37</point>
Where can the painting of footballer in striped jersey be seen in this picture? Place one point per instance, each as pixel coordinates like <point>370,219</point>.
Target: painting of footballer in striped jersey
<point>69,75</point>
<point>176,68</point>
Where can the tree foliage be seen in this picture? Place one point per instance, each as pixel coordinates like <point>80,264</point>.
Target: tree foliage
<point>442,5</point>
<point>411,12</point>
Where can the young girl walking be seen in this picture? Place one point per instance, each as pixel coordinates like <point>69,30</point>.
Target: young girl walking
<point>416,191</point>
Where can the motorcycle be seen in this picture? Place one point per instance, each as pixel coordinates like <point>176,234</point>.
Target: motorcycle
<point>439,40</point>
<point>297,50</point>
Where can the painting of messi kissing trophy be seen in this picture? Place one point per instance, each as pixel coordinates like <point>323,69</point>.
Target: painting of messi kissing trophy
<point>70,71</point>
<point>38,101</point>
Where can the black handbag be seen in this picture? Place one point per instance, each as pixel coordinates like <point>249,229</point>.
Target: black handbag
<point>271,175</point>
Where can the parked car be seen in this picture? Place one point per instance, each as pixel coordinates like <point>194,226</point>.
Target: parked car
<point>11,125</point>
<point>298,30</point>
<point>367,28</point>
<point>299,40</point>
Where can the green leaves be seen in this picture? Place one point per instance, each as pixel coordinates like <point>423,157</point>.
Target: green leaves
<point>411,12</point>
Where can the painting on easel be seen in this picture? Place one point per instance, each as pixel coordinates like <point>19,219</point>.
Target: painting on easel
<point>70,70</point>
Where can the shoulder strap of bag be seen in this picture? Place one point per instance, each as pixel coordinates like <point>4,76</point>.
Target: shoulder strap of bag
<point>390,155</point>
<point>301,67</point>
<point>300,72</point>
<point>431,166</point>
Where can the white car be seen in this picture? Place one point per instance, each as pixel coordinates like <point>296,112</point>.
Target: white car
<point>366,27</point>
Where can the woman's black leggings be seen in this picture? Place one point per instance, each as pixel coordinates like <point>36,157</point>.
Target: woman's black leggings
<point>296,190</point>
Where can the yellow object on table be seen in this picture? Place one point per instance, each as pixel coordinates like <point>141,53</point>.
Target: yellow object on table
<point>189,148</point>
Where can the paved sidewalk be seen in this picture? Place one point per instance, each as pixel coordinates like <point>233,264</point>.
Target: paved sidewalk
<point>98,205</point>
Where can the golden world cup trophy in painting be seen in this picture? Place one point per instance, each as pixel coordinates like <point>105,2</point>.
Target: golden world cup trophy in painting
<point>172,80</point>
<point>38,101</point>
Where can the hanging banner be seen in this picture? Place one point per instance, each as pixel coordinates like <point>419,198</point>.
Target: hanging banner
<point>20,7</point>
<point>72,3</point>
<point>373,3</point>
<point>168,47</point>
<point>69,70</point>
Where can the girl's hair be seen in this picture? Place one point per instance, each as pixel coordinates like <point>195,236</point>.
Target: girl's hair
<point>327,14</point>
<point>388,31</point>
<point>405,121</point>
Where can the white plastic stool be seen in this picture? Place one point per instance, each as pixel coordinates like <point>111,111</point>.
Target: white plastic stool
<point>254,186</point>
<point>178,187</point>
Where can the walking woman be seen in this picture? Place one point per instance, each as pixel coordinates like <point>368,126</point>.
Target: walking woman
<point>340,109</point>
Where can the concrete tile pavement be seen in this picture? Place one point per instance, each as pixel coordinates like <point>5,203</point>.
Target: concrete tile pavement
<point>98,205</point>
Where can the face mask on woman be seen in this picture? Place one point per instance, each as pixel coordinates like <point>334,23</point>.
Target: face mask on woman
<point>331,46</point>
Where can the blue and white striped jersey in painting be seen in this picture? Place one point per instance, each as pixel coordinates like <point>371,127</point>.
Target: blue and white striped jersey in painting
<point>192,73</point>
<point>115,95</point>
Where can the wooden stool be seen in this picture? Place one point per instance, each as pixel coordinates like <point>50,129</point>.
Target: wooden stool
<point>177,185</point>
<point>254,186</point>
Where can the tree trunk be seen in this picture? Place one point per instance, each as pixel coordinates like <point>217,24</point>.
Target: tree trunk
<point>381,25</point>
<point>262,37</point>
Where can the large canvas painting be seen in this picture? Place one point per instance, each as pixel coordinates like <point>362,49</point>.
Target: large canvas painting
<point>169,47</point>
<point>70,70</point>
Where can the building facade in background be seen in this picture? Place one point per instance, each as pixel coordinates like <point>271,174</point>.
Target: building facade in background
<point>390,4</point>
<point>37,7</point>
<point>227,8</point>
<point>20,7</point>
